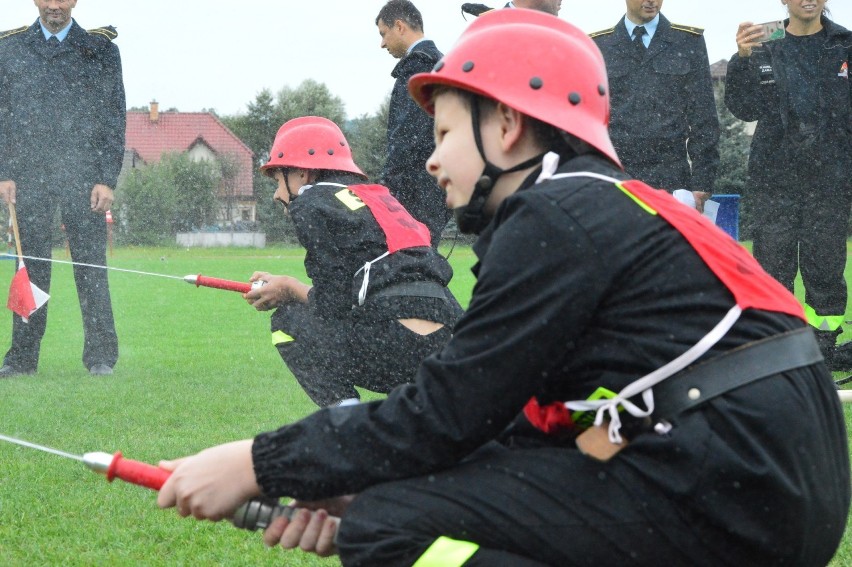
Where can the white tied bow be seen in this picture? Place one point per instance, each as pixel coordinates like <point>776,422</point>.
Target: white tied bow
<point>362,293</point>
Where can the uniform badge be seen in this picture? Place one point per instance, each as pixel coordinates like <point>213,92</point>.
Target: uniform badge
<point>844,70</point>
<point>767,75</point>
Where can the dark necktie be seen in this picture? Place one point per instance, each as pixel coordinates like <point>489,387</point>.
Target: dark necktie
<point>639,45</point>
<point>53,42</point>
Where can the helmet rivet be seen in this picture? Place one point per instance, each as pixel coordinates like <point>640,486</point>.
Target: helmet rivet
<point>438,66</point>
<point>575,99</point>
<point>330,152</point>
<point>602,90</point>
<point>467,67</point>
<point>536,83</point>
<point>311,152</point>
<point>280,154</point>
<point>342,144</point>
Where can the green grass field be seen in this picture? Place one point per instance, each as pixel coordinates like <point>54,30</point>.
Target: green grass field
<point>197,368</point>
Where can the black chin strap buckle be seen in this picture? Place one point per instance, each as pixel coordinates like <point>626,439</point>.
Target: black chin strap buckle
<point>485,182</point>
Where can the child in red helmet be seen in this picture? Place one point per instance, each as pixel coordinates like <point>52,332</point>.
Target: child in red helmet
<point>626,387</point>
<point>379,302</point>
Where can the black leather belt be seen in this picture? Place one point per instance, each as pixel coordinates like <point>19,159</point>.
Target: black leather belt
<point>414,289</point>
<point>743,365</point>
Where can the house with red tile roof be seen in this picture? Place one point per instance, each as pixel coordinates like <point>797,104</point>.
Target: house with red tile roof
<point>151,135</point>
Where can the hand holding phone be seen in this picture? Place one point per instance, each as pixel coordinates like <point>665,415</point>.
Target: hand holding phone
<point>770,31</point>
<point>750,35</point>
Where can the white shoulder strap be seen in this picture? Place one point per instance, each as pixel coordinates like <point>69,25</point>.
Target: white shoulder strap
<point>551,162</point>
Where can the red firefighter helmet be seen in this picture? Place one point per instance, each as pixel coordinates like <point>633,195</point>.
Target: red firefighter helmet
<point>533,62</point>
<point>311,142</point>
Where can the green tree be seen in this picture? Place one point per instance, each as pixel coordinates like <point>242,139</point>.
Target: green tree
<point>258,126</point>
<point>257,129</point>
<point>266,114</point>
<point>229,171</point>
<point>734,145</point>
<point>158,200</point>
<point>310,99</point>
<point>367,135</point>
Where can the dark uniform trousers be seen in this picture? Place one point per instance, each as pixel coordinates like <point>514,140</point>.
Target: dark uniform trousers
<point>86,232</point>
<point>557,506</point>
<point>804,228</point>
<point>329,357</point>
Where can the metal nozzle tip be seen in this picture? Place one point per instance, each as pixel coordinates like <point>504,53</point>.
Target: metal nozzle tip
<point>190,279</point>
<point>98,462</point>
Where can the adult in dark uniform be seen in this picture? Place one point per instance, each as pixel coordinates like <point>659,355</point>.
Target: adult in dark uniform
<point>798,90</point>
<point>664,123</point>
<point>409,135</point>
<point>62,122</point>
<point>592,290</point>
<point>379,302</point>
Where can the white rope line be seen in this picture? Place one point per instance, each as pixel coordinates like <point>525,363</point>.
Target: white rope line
<point>92,266</point>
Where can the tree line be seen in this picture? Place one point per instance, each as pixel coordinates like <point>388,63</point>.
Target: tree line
<point>177,194</point>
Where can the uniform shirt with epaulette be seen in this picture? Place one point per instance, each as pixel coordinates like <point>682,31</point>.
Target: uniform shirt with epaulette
<point>62,109</point>
<point>664,124</point>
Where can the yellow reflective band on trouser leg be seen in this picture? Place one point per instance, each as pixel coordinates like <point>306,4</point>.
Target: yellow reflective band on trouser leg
<point>446,552</point>
<point>280,337</point>
<point>826,323</point>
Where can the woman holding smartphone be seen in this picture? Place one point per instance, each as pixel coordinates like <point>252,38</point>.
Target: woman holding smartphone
<point>797,88</point>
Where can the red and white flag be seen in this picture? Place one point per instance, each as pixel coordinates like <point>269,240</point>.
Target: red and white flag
<point>25,298</point>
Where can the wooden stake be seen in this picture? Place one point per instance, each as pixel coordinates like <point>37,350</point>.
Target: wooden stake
<point>14,218</point>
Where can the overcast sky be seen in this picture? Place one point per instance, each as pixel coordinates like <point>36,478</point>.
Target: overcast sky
<point>220,54</point>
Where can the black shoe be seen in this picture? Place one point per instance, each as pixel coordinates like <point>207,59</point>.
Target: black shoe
<point>7,371</point>
<point>100,370</point>
<point>841,358</point>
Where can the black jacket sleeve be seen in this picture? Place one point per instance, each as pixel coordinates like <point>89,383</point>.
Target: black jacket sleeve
<point>742,89</point>
<point>703,145</point>
<point>5,107</point>
<point>410,139</point>
<point>114,117</point>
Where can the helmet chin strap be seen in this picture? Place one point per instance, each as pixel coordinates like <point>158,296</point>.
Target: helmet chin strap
<point>289,192</point>
<point>471,218</point>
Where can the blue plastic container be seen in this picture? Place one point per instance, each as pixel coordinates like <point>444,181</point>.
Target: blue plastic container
<point>728,217</point>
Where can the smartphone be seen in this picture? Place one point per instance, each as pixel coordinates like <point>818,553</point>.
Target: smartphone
<point>771,31</point>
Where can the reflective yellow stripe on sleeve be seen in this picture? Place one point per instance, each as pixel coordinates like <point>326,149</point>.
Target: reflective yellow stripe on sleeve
<point>446,552</point>
<point>823,323</point>
<point>280,337</point>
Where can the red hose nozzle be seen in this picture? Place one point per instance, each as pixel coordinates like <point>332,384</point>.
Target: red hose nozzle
<point>134,472</point>
<point>230,285</point>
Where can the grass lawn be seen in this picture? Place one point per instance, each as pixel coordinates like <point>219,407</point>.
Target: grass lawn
<point>197,368</point>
